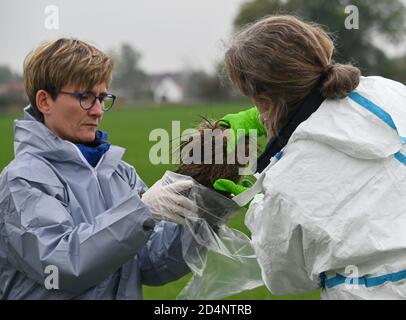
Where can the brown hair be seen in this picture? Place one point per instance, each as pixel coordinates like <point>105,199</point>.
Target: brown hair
<point>207,174</point>
<point>281,59</point>
<point>55,64</point>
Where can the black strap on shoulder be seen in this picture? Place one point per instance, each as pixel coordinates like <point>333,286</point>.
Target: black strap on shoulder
<point>311,103</point>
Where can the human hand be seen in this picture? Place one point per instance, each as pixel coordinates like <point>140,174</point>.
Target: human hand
<point>169,201</point>
<point>240,123</point>
<point>233,188</point>
<point>229,186</point>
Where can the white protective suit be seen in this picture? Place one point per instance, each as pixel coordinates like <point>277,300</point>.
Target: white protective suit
<point>332,213</point>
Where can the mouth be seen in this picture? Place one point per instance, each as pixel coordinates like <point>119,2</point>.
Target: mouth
<point>92,125</point>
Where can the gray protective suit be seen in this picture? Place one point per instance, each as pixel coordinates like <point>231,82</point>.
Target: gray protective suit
<point>90,223</point>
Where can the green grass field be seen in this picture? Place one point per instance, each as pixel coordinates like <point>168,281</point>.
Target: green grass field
<point>130,129</point>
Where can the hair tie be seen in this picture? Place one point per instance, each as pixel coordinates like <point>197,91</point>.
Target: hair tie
<point>327,69</point>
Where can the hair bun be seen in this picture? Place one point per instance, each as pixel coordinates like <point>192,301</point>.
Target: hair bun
<point>339,80</point>
<point>327,69</point>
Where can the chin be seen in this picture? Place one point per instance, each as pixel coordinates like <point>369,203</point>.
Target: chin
<point>87,138</point>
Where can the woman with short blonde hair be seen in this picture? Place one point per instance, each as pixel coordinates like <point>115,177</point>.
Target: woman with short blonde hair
<point>69,203</point>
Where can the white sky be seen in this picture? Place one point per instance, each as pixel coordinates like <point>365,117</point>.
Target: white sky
<point>170,34</point>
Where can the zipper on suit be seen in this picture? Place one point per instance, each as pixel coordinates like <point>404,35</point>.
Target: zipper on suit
<point>93,170</point>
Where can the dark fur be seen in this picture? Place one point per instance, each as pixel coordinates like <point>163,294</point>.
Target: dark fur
<point>207,174</point>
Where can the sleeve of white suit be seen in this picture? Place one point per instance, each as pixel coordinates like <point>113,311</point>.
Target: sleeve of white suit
<point>279,240</point>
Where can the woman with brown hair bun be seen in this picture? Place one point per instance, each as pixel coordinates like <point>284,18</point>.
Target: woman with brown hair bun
<point>331,212</point>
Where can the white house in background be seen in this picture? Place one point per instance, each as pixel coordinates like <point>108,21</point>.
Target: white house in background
<point>167,88</point>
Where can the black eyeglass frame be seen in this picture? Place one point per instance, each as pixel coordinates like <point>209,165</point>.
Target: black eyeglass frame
<point>101,98</point>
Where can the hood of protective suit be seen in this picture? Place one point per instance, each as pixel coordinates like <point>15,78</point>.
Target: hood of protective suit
<point>32,136</point>
<point>366,125</point>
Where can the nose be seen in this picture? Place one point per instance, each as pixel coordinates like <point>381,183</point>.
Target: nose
<point>96,110</point>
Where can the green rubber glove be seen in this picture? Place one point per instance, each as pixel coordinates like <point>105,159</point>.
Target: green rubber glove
<point>234,188</point>
<point>244,120</point>
<point>228,186</point>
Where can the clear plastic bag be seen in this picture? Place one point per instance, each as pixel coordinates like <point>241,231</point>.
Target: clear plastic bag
<point>221,259</point>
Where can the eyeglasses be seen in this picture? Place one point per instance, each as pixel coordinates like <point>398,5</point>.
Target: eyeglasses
<point>88,99</point>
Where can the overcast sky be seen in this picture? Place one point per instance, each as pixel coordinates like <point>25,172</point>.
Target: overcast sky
<point>170,34</point>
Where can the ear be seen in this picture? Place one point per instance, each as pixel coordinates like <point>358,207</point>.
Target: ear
<point>44,102</point>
